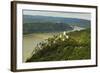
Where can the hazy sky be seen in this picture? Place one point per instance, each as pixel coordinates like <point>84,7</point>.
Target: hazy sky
<point>86,16</point>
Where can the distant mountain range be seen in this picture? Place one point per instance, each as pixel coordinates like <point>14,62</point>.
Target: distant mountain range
<point>37,23</point>
<point>70,21</point>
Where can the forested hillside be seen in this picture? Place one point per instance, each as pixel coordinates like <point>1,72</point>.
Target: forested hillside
<point>38,27</point>
<point>65,46</point>
<point>35,24</point>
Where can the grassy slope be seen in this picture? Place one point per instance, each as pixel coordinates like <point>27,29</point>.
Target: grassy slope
<point>76,47</point>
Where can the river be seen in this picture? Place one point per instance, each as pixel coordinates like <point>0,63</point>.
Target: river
<point>31,40</point>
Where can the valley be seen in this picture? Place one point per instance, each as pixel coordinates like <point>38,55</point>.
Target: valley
<point>37,29</point>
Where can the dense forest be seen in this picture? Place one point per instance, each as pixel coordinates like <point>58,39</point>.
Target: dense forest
<point>37,27</point>
<point>64,46</point>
